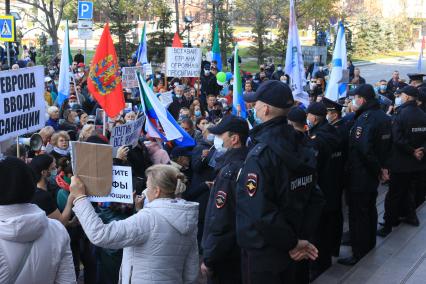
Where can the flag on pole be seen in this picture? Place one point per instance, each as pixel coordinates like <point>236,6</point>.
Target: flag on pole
<point>65,72</point>
<point>216,49</point>
<point>176,41</point>
<point>141,53</point>
<point>104,81</point>
<point>238,105</point>
<point>294,61</point>
<point>420,62</point>
<point>339,77</point>
<point>160,123</point>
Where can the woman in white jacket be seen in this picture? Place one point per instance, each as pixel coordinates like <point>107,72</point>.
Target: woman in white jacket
<point>160,241</point>
<point>33,248</point>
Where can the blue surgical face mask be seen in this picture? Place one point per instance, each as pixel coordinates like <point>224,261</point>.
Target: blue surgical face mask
<point>256,118</point>
<point>382,87</point>
<point>398,101</point>
<point>197,113</point>
<point>279,68</point>
<point>178,96</point>
<point>76,120</point>
<point>54,173</point>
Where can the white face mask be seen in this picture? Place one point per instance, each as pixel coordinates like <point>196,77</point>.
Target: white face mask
<point>354,103</point>
<point>398,101</point>
<point>218,144</point>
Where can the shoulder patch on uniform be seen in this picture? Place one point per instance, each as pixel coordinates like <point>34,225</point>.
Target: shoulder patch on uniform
<point>251,184</point>
<point>220,199</point>
<point>358,132</point>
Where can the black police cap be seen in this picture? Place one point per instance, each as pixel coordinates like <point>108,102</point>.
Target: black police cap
<point>272,92</point>
<point>409,90</point>
<point>296,114</point>
<point>366,91</point>
<point>318,109</point>
<point>332,105</point>
<point>230,123</point>
<point>416,76</point>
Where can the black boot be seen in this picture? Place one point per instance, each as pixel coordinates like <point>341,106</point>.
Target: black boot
<point>384,231</point>
<point>348,261</point>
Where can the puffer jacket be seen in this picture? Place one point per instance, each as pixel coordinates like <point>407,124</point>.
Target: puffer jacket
<point>50,258</point>
<point>160,241</point>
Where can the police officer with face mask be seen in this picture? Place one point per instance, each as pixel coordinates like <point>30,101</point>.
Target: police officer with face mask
<point>326,142</point>
<point>221,254</point>
<point>276,186</point>
<point>407,160</point>
<point>369,148</point>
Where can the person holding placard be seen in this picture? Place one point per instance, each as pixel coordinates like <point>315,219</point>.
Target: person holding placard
<point>146,257</point>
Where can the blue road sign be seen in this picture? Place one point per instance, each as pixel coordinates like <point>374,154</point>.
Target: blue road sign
<point>7,28</point>
<point>85,10</point>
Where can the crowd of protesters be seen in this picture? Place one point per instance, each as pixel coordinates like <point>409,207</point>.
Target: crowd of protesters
<point>174,232</point>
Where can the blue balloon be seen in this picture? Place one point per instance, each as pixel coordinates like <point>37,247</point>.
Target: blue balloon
<point>228,76</point>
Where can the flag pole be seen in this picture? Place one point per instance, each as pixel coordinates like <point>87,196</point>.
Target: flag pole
<point>104,123</point>
<point>198,87</point>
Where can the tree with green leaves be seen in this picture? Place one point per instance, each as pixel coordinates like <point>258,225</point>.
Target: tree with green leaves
<point>52,12</point>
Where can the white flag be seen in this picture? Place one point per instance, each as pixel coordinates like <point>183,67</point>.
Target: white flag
<point>64,72</point>
<point>294,60</point>
<point>339,77</point>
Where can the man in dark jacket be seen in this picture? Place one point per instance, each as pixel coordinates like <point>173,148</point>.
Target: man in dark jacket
<point>407,163</point>
<point>221,254</point>
<point>277,74</point>
<point>326,142</point>
<point>394,83</point>
<point>274,192</point>
<point>209,85</point>
<point>369,147</point>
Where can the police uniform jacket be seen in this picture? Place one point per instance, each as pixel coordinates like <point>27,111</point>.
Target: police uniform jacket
<point>219,242</point>
<point>409,133</point>
<point>326,142</point>
<point>369,146</point>
<point>274,189</point>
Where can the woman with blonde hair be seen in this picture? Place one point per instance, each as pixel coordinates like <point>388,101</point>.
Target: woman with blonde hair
<point>159,241</point>
<point>61,145</point>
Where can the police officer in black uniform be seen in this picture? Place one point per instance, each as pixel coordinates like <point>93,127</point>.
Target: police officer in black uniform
<point>407,160</point>
<point>326,142</point>
<point>221,254</point>
<point>369,148</point>
<point>275,190</point>
<point>339,158</point>
<point>416,80</point>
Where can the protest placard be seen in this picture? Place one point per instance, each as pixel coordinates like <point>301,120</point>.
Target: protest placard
<point>165,98</point>
<point>92,163</point>
<point>121,188</point>
<point>127,134</point>
<point>22,106</point>
<point>183,62</point>
<point>147,69</point>
<point>128,76</point>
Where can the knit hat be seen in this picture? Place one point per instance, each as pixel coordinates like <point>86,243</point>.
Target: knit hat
<point>18,182</point>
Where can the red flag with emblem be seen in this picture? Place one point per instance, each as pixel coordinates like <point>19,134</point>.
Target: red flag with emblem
<point>104,81</point>
<point>176,41</point>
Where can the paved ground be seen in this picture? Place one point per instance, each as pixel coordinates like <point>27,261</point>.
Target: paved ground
<point>383,68</point>
<point>399,258</point>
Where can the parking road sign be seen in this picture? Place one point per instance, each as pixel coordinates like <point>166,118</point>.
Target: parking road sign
<point>85,10</point>
<point>7,28</point>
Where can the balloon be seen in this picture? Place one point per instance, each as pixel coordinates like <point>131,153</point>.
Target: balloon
<point>228,76</point>
<point>221,77</point>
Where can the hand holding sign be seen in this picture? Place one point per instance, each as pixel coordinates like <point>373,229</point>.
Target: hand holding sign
<point>77,187</point>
